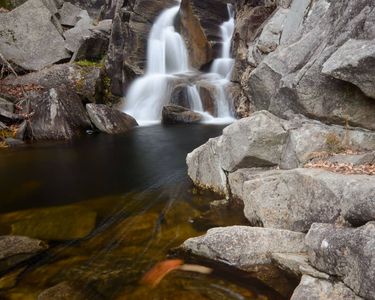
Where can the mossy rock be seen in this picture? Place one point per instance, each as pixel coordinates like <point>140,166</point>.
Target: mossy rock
<point>56,223</point>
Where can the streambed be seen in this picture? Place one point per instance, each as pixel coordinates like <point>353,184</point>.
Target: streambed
<point>111,207</point>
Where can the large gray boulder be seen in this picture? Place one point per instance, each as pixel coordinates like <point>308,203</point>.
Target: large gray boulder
<point>354,62</point>
<point>347,253</point>
<point>110,120</point>
<point>257,141</point>
<point>244,247</point>
<point>311,288</point>
<point>57,114</point>
<point>291,78</point>
<point>29,39</point>
<point>296,199</point>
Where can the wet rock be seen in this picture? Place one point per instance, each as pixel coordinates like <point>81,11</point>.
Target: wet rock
<point>354,62</point>
<point>55,223</point>
<point>312,288</point>
<point>58,114</point>
<point>291,78</point>
<point>302,197</point>
<point>180,96</point>
<point>110,120</point>
<point>200,49</point>
<point>10,280</point>
<point>86,81</point>
<point>15,249</point>
<point>29,39</point>
<point>243,246</point>
<point>174,114</point>
<point>208,94</point>
<point>346,253</point>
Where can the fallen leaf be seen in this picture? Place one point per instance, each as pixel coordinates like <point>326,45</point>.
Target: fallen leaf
<point>160,270</point>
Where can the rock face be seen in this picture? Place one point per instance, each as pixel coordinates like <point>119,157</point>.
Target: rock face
<point>243,246</point>
<point>346,253</point>
<point>264,140</point>
<point>110,120</point>
<point>302,197</point>
<point>294,72</point>
<point>354,62</point>
<point>29,39</point>
<point>312,288</point>
<point>174,114</point>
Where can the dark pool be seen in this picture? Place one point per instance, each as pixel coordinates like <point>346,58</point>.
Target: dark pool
<point>111,207</point>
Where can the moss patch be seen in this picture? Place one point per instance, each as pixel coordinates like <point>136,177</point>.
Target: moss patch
<point>89,63</point>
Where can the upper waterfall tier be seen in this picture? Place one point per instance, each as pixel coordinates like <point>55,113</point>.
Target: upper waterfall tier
<point>168,67</point>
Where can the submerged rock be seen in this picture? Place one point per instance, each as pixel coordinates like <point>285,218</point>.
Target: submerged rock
<point>15,249</point>
<point>55,223</point>
<point>244,247</point>
<point>29,39</point>
<point>174,114</point>
<point>312,288</point>
<point>63,291</point>
<point>110,120</point>
<point>346,253</point>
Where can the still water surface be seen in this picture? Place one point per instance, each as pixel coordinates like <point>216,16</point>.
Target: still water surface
<point>111,207</point>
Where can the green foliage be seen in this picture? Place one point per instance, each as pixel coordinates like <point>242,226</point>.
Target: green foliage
<point>89,63</point>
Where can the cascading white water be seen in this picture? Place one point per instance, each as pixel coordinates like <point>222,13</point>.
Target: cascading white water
<point>195,101</point>
<point>167,57</point>
<point>223,66</point>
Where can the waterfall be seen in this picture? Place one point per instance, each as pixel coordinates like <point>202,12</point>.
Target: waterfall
<point>223,67</point>
<point>167,60</point>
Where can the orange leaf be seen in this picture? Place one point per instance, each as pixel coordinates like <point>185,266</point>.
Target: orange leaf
<point>160,270</point>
